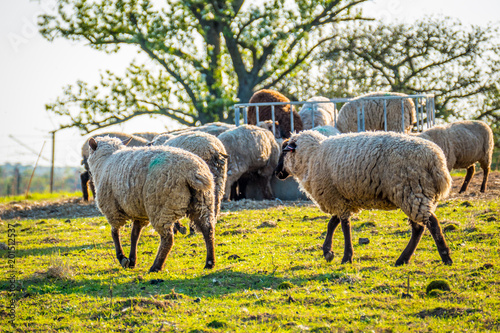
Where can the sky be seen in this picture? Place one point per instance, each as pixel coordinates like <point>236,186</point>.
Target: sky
<point>33,72</point>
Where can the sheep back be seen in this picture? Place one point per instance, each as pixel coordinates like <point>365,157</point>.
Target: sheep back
<point>463,142</point>
<point>372,170</point>
<point>324,114</point>
<point>282,112</point>
<point>135,142</point>
<point>347,120</point>
<point>250,149</point>
<point>150,183</point>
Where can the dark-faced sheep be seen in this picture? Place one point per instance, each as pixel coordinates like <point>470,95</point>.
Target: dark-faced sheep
<point>282,112</point>
<point>373,170</point>
<point>152,184</point>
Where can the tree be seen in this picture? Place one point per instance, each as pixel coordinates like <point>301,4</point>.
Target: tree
<point>458,64</point>
<point>207,54</point>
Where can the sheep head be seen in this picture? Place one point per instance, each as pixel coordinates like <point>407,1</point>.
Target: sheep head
<point>288,147</point>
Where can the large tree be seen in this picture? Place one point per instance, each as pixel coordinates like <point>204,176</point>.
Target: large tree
<point>457,63</point>
<point>206,55</point>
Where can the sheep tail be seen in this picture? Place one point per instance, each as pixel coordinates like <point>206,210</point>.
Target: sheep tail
<point>442,181</point>
<point>199,181</point>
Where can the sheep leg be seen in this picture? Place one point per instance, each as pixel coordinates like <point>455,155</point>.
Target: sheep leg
<point>115,234</point>
<point>468,176</point>
<point>486,171</point>
<point>348,250</point>
<point>134,239</point>
<point>417,231</point>
<point>437,234</point>
<point>92,187</point>
<point>327,245</point>
<point>84,178</point>
<point>207,229</point>
<point>166,243</point>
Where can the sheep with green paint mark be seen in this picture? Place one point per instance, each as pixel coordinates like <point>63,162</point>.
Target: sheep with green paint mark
<point>209,148</point>
<point>152,184</point>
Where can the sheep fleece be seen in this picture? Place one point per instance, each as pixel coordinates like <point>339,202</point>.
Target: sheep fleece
<point>347,120</point>
<point>150,183</point>
<point>463,143</point>
<point>372,170</point>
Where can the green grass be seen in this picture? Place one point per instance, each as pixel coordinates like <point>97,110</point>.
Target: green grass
<point>266,278</point>
<point>40,196</point>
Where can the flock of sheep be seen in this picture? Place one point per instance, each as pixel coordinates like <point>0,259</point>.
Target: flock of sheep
<point>160,178</point>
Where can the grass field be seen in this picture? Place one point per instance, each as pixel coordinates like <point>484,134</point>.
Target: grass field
<point>270,275</point>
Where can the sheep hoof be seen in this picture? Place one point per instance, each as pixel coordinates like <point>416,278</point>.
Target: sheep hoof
<point>448,262</point>
<point>400,263</point>
<point>329,256</point>
<point>125,262</point>
<point>209,265</point>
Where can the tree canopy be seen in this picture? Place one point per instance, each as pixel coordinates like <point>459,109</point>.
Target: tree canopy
<point>206,55</point>
<point>459,64</point>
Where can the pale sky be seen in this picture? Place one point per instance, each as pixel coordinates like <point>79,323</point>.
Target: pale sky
<point>34,71</point>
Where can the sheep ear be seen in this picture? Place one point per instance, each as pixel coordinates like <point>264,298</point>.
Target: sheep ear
<point>126,142</point>
<point>92,144</point>
<point>290,147</point>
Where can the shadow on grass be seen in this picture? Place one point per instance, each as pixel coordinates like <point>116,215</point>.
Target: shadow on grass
<point>62,250</point>
<point>214,284</point>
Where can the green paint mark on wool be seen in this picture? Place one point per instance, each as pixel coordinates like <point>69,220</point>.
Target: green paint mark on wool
<point>157,161</point>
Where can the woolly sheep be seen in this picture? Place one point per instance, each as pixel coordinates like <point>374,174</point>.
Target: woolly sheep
<point>215,129</point>
<point>347,120</point>
<point>372,170</point>
<point>327,130</point>
<point>251,149</point>
<point>324,113</point>
<point>210,149</point>
<point>160,139</point>
<point>86,181</point>
<point>464,143</point>
<point>282,112</point>
<point>146,135</point>
<point>152,184</point>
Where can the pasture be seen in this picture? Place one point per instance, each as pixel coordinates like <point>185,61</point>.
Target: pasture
<point>270,273</point>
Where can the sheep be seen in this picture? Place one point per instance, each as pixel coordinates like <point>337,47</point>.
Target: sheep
<point>215,129</point>
<point>160,139</point>
<point>152,184</point>
<point>251,149</point>
<point>347,120</point>
<point>146,135</point>
<point>268,125</point>
<point>85,178</point>
<point>464,143</point>
<point>372,170</point>
<point>327,130</point>
<point>282,112</point>
<point>210,149</point>
<point>323,113</point>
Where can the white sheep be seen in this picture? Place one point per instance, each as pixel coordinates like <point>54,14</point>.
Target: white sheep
<point>464,143</point>
<point>327,130</point>
<point>86,179</point>
<point>251,150</point>
<point>323,113</point>
<point>209,148</point>
<point>372,170</point>
<point>347,120</point>
<point>215,128</point>
<point>152,184</point>
<point>146,135</point>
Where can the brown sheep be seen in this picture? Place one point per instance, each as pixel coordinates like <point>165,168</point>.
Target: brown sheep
<point>281,112</point>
